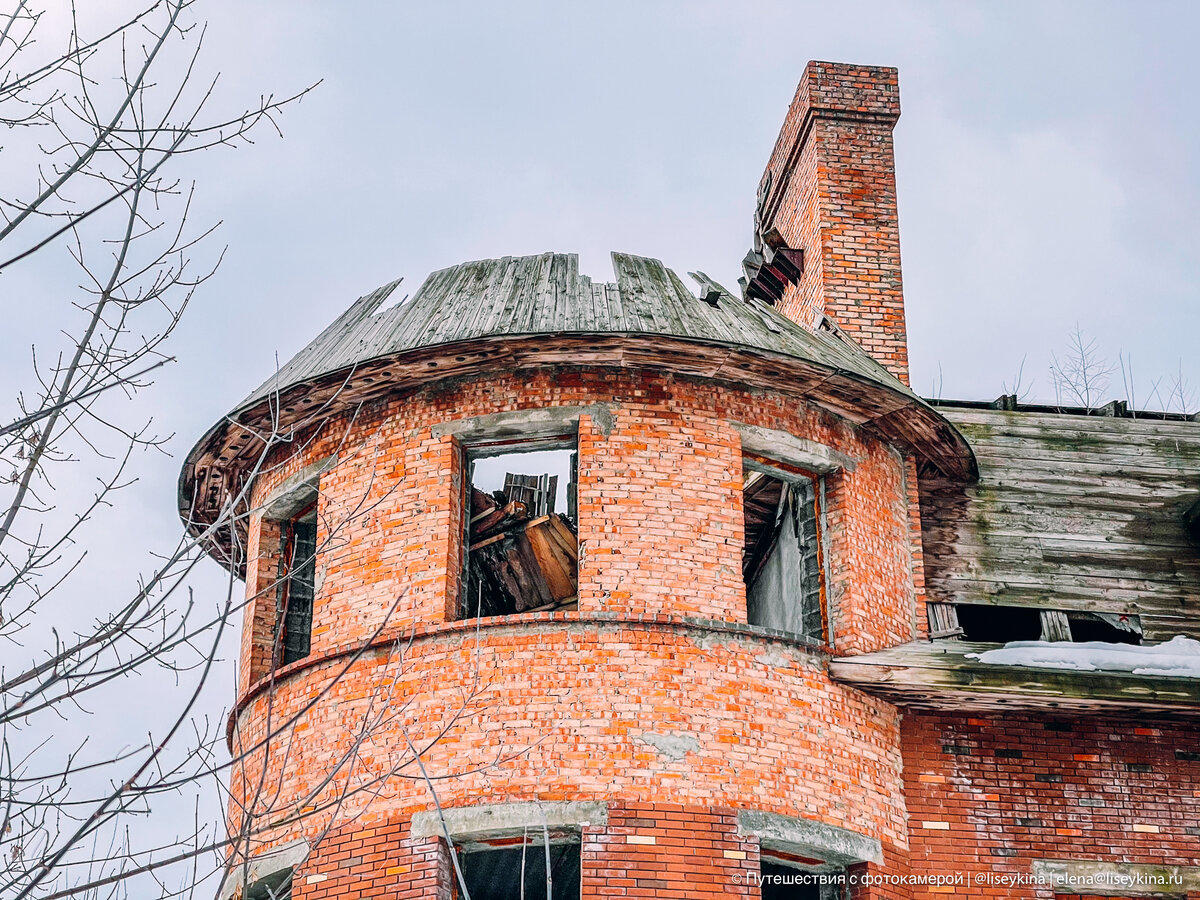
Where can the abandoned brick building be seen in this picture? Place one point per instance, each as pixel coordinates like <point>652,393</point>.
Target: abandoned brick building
<point>680,590</point>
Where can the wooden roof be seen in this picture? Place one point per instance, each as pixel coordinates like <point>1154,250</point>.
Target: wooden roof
<point>938,675</point>
<point>501,315</point>
<point>523,296</point>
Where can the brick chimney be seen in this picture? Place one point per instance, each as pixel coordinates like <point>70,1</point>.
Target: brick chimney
<point>830,191</point>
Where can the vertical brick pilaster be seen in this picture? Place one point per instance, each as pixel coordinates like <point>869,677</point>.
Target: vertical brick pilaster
<point>262,573</point>
<point>882,881</point>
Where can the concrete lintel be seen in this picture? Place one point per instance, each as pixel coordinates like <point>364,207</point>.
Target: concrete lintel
<point>1114,879</point>
<point>497,820</point>
<point>791,450</point>
<point>269,868</point>
<point>528,424</point>
<point>296,491</point>
<point>805,837</point>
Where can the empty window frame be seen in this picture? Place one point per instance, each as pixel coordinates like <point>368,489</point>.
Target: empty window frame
<point>521,528</point>
<point>782,557</point>
<point>296,586</point>
<point>518,871</point>
<point>988,623</point>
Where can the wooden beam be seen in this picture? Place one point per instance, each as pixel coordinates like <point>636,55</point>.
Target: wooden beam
<point>938,675</point>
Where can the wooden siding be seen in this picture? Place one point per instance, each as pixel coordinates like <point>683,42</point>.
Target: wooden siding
<point>1072,512</point>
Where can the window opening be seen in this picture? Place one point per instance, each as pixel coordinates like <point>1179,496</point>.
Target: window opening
<point>515,872</point>
<point>1112,628</point>
<point>999,624</point>
<point>521,530</point>
<point>781,558</point>
<point>296,586</point>
<point>782,880</point>
<point>277,886</point>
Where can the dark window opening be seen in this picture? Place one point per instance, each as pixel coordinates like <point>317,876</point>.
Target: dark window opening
<point>1002,624</point>
<point>999,624</point>
<point>512,873</point>
<point>296,586</point>
<point>276,886</point>
<point>780,882</point>
<point>521,532</point>
<point>781,559</point>
<point>1111,628</point>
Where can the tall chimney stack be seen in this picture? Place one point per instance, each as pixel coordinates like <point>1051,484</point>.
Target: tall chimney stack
<point>830,191</point>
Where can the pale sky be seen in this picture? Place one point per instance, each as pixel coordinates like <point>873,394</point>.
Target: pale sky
<point>1048,160</point>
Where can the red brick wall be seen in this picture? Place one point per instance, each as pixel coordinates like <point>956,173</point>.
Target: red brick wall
<point>378,861</point>
<point>659,507</point>
<point>646,850</point>
<point>653,850</point>
<point>389,521</point>
<point>873,602</point>
<point>571,705</point>
<point>572,708</point>
<point>834,195</point>
<point>994,793</point>
<point>660,515</point>
<point>259,615</point>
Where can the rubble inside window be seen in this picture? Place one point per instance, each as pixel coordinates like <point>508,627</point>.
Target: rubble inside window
<point>781,558</point>
<point>521,532</point>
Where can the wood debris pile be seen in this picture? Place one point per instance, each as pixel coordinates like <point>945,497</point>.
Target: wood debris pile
<point>523,555</point>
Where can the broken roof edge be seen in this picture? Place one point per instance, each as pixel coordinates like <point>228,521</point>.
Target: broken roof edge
<point>1119,409</point>
<point>546,294</point>
<point>940,674</point>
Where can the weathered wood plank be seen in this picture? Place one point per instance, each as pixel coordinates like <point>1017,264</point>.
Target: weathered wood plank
<point>1070,512</point>
<point>937,674</point>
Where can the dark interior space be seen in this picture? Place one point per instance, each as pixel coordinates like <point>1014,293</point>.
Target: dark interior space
<point>496,874</point>
<point>1110,628</point>
<point>783,890</point>
<point>999,624</point>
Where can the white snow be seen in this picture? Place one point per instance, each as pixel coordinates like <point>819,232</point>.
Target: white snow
<point>1177,658</point>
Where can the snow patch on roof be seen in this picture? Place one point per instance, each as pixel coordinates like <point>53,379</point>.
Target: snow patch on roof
<point>1177,658</point>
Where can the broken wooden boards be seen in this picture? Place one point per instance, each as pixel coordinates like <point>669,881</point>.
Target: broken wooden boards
<point>517,563</point>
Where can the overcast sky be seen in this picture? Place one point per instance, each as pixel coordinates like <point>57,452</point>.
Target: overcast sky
<point>1047,162</point>
<point>1048,172</point>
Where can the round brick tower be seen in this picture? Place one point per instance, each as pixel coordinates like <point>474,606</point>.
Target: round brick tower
<point>664,732</point>
<point>619,668</point>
